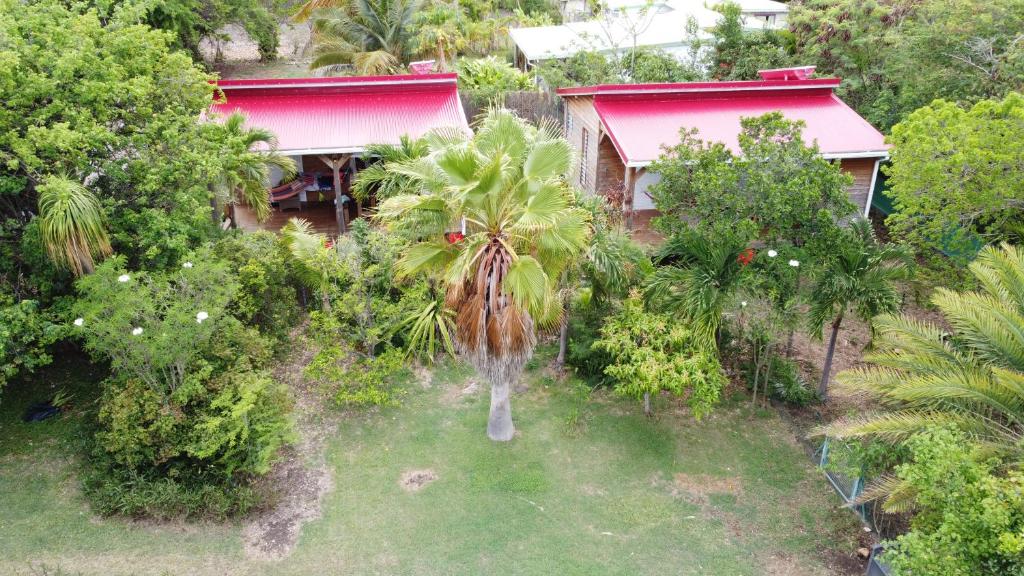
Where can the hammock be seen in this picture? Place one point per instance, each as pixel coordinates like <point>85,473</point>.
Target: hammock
<point>286,191</point>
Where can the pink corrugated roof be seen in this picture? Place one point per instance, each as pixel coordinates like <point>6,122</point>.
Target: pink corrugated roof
<point>321,115</point>
<point>640,119</point>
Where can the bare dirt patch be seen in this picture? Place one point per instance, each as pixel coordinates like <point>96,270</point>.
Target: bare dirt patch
<point>416,480</point>
<point>455,393</point>
<point>301,478</point>
<point>703,485</point>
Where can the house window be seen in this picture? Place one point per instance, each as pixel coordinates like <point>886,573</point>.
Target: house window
<point>584,154</point>
<point>568,123</point>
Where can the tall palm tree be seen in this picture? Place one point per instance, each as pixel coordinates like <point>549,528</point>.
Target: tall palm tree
<point>699,274</point>
<point>859,278</point>
<point>373,36</point>
<point>71,224</point>
<point>521,231</point>
<point>973,378</point>
<point>248,155</point>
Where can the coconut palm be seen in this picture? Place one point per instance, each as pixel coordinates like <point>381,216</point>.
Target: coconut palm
<point>973,378</point>
<point>71,224</point>
<point>859,278</point>
<point>506,185</point>
<point>699,275</point>
<point>248,155</point>
<point>373,36</point>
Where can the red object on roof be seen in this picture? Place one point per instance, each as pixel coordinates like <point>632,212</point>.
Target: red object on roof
<point>641,118</point>
<point>342,115</point>
<point>798,73</point>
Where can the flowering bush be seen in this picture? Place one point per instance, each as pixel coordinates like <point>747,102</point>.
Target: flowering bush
<point>189,409</point>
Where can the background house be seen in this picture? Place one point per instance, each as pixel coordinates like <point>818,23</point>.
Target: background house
<point>618,130</point>
<point>326,124</point>
<point>659,24</point>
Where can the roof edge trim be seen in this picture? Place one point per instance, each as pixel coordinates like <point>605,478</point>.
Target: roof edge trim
<point>697,87</point>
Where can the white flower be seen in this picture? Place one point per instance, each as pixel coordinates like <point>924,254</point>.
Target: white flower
<point>772,253</point>
<point>200,316</point>
<point>79,321</point>
<point>794,263</point>
<point>743,304</point>
<point>136,331</point>
<point>123,278</point>
<point>186,265</point>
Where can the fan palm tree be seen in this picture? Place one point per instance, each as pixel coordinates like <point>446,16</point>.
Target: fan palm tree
<point>699,275</point>
<point>973,378</point>
<point>521,231</point>
<point>71,224</point>
<point>860,277</point>
<point>373,36</point>
<point>379,179</point>
<point>248,155</point>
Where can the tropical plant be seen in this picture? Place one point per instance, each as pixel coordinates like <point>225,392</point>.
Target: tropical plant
<point>71,223</point>
<point>860,277</point>
<point>378,179</point>
<point>969,517</point>
<point>373,36</point>
<point>249,155</point>
<point>654,352</point>
<point>489,77</point>
<point>968,375</point>
<point>699,274</point>
<point>441,32</point>
<point>316,263</point>
<point>521,230</point>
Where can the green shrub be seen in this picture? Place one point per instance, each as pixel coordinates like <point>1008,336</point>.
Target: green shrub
<point>785,381</point>
<point>487,78</point>
<point>969,518</point>
<point>654,352</point>
<point>188,415</point>
<point>266,295</point>
<point>588,361</point>
<point>25,336</point>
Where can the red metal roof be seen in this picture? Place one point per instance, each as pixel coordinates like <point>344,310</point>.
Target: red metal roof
<point>334,115</point>
<point>641,118</point>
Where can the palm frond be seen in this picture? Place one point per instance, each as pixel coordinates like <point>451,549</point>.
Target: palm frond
<point>71,224</point>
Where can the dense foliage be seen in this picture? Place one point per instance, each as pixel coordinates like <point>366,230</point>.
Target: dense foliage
<point>776,184</point>
<point>969,518</point>
<point>955,175</point>
<point>189,407</point>
<point>654,352</point>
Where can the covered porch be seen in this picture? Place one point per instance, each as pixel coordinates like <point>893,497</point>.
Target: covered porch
<point>326,126</point>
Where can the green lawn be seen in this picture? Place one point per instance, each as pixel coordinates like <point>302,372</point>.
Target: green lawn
<point>585,488</point>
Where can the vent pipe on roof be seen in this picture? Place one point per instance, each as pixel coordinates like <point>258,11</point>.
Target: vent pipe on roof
<point>798,73</point>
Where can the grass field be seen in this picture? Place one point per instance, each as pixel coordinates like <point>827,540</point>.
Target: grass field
<point>588,486</point>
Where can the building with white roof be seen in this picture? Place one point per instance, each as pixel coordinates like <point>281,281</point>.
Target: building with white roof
<point>661,24</point>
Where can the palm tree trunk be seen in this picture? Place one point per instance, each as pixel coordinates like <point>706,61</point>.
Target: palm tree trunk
<point>647,403</point>
<point>827,369</point>
<point>499,423</point>
<point>563,341</point>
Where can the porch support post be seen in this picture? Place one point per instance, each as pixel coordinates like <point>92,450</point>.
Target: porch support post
<point>353,170</point>
<point>628,184</point>
<point>339,208</point>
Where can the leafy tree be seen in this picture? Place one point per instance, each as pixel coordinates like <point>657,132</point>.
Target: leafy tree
<point>655,352</point>
<point>955,173</point>
<point>120,117</point>
<point>373,36</point>
<point>923,374</point>
<point>522,230</point>
<point>775,183</point>
<point>71,224</point>
<point>969,518</point>
<point>860,278</point>
<point>250,153</point>
<point>852,39</point>
<point>738,54</point>
<point>192,21</point>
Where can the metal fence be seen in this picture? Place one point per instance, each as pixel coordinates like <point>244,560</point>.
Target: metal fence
<point>842,471</point>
